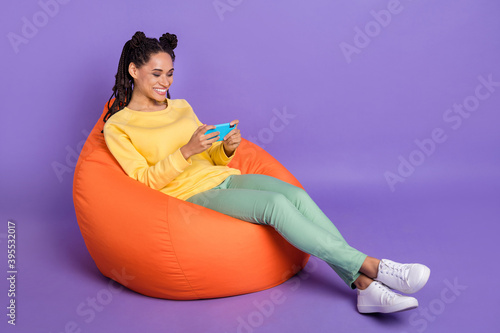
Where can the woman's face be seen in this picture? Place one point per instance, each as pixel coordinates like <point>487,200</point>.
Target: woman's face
<point>153,79</point>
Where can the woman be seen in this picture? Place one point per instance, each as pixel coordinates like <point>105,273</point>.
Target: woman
<point>160,142</point>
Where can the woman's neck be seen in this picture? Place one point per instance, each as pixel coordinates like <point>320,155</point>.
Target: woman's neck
<point>144,104</point>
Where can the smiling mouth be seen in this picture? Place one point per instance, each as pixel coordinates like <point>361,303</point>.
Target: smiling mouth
<point>160,91</point>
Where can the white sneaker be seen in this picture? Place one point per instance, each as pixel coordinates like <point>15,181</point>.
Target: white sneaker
<point>407,278</point>
<point>378,298</point>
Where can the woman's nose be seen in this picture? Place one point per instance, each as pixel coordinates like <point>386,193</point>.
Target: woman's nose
<point>163,81</point>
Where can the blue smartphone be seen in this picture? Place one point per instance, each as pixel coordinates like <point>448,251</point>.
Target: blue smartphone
<point>224,129</point>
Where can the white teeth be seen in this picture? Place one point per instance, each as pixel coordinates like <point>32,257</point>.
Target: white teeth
<point>161,91</point>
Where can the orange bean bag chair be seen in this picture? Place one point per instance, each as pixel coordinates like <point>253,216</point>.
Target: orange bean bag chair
<point>164,247</point>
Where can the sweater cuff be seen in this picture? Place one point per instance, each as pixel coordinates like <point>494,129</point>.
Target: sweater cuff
<point>223,159</point>
<point>224,155</point>
<point>179,162</point>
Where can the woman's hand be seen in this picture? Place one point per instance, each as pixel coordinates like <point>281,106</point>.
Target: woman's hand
<point>199,141</point>
<point>232,139</point>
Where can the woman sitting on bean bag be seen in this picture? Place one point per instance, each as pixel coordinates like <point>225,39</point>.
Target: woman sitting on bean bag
<point>161,143</point>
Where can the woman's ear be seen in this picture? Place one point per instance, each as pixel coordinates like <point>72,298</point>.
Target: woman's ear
<point>132,69</point>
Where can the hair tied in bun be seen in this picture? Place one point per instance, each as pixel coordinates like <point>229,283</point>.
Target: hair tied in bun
<point>138,38</point>
<point>169,39</point>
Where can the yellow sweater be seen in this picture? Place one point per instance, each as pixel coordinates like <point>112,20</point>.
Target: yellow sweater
<point>147,147</point>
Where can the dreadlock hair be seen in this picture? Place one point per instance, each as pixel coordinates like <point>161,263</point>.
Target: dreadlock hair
<point>137,50</point>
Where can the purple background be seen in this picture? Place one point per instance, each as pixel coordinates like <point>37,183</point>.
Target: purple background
<point>352,120</point>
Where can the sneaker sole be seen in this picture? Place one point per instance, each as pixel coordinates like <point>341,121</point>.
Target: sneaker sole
<point>408,305</point>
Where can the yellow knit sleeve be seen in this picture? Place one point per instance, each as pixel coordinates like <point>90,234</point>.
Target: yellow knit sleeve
<point>218,155</point>
<point>136,166</point>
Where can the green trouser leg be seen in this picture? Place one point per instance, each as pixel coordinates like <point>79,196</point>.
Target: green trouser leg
<point>291,211</point>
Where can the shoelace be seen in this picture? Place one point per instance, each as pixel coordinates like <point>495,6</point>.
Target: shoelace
<point>401,271</point>
<point>387,293</point>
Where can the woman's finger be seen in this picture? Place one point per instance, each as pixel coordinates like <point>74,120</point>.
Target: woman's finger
<point>232,133</point>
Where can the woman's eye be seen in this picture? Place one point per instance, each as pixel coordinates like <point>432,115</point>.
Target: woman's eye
<point>157,75</point>
<point>171,74</point>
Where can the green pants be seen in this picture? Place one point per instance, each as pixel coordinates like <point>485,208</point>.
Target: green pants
<point>291,212</point>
